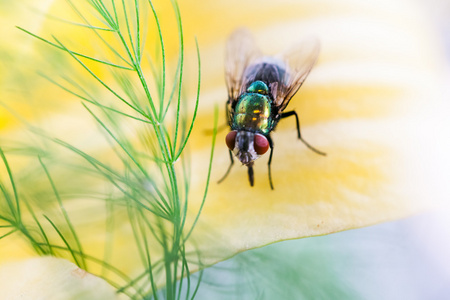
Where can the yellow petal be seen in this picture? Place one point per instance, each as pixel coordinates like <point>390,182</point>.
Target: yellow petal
<point>50,278</point>
<point>372,103</point>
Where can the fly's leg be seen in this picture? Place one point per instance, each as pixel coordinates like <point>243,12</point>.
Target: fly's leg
<point>293,113</point>
<point>251,178</point>
<point>219,129</point>
<point>229,167</point>
<point>269,139</point>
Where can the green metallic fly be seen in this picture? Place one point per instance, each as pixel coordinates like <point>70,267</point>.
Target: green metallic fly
<point>259,89</point>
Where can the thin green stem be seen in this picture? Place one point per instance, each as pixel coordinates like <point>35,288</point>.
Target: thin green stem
<point>8,233</point>
<point>140,167</point>
<point>138,32</point>
<point>69,248</point>
<point>163,58</point>
<point>17,212</point>
<point>199,280</point>
<point>183,145</point>
<point>41,230</point>
<point>76,53</point>
<point>149,261</point>
<point>130,36</point>
<point>94,102</point>
<point>181,41</point>
<point>65,214</point>
<point>216,118</point>
<point>101,81</point>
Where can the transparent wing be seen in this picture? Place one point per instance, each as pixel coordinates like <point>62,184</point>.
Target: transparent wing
<point>299,61</point>
<point>241,50</point>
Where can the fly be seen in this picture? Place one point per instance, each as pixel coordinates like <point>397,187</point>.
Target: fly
<point>259,89</point>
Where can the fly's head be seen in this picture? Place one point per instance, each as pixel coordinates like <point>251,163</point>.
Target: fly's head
<point>247,146</point>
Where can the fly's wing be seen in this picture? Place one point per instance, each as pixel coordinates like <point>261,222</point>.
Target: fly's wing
<point>241,50</point>
<point>299,61</point>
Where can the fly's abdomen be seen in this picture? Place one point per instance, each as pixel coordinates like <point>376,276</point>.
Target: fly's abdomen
<point>252,113</point>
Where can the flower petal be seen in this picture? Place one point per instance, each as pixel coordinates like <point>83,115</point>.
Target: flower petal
<point>372,103</point>
<point>51,278</point>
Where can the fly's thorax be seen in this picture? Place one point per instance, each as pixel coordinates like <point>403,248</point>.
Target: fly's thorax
<point>253,109</point>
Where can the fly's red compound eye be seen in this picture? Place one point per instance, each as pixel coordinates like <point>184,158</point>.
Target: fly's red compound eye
<point>230,139</point>
<point>261,144</point>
